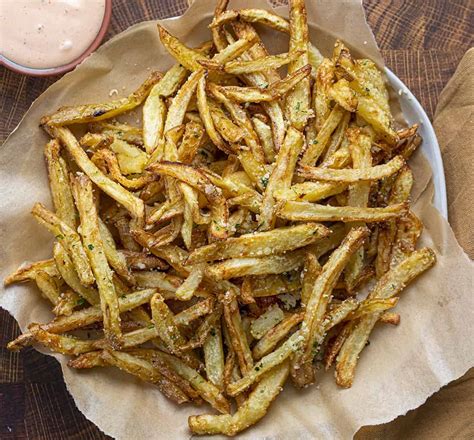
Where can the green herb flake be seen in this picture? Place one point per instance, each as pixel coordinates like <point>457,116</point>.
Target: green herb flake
<point>91,247</point>
<point>80,302</point>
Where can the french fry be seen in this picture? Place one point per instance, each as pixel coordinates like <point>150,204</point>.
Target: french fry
<point>277,357</point>
<point>28,272</point>
<point>186,291</point>
<point>366,107</point>
<point>298,100</point>
<point>352,175</point>
<point>84,317</point>
<point>116,260</point>
<point>264,132</point>
<point>239,267</point>
<point>259,65</point>
<point>68,272</point>
<point>250,412</point>
<point>91,235</point>
<point>318,145</point>
<point>59,183</point>
<point>201,308</point>
<point>358,195</point>
<point>192,139</point>
<point>238,339</point>
<point>390,285</point>
<point>274,90</point>
<point>305,211</point>
<point>208,391</point>
<point>98,112</point>
<point>197,180</point>
<point>145,371</point>
<point>206,117</point>
<point>310,191</point>
<point>400,192</point>
<point>133,204</point>
<point>281,176</point>
<point>69,238</point>
<point>265,322</point>
<point>260,244</point>
<point>312,330</point>
<point>124,132</point>
<point>408,232</point>
<point>214,356</point>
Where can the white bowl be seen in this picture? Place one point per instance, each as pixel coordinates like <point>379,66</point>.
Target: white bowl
<point>414,113</point>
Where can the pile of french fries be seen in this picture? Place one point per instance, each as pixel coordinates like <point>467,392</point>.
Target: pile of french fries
<point>257,223</point>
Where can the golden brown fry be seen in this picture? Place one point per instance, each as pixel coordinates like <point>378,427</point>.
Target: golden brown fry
<point>59,184</point>
<point>214,356</point>
<point>281,176</point>
<point>133,204</point>
<point>310,191</point>
<point>238,339</point>
<point>260,244</point>
<point>98,112</point>
<point>259,65</point>
<point>145,371</point>
<point>197,180</point>
<point>390,285</point>
<point>68,272</point>
<point>84,317</point>
<point>312,328</point>
<point>352,175</point>
<point>317,145</point>
<point>272,92</point>
<point>165,325</point>
<point>305,211</point>
<point>250,412</point>
<point>91,235</point>
<point>68,238</point>
<point>298,100</point>
<point>28,272</point>
<point>277,357</point>
<point>209,392</point>
<point>273,264</point>
<point>186,291</point>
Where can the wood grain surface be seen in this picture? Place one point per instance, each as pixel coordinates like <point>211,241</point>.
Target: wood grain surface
<point>422,41</point>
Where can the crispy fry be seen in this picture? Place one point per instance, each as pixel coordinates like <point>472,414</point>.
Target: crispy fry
<point>69,238</point>
<point>98,112</point>
<point>312,328</point>
<point>274,90</point>
<point>250,412</point>
<point>352,175</point>
<point>209,392</point>
<point>238,339</point>
<point>390,285</point>
<point>305,211</point>
<point>281,176</point>
<point>66,268</point>
<point>95,249</point>
<point>199,181</point>
<point>59,184</point>
<point>274,264</point>
<point>261,244</point>
<point>28,272</point>
<point>133,204</point>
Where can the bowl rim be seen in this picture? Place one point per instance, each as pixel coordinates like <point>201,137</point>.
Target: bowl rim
<point>50,71</point>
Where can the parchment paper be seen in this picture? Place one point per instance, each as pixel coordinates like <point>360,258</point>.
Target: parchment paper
<point>401,368</point>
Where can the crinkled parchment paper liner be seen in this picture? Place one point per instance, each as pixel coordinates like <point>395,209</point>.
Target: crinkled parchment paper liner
<point>400,369</point>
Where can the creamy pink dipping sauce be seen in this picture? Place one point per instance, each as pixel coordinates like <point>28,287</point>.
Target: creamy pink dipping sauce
<point>48,33</point>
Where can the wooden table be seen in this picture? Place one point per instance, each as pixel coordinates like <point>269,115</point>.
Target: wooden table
<point>422,41</point>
